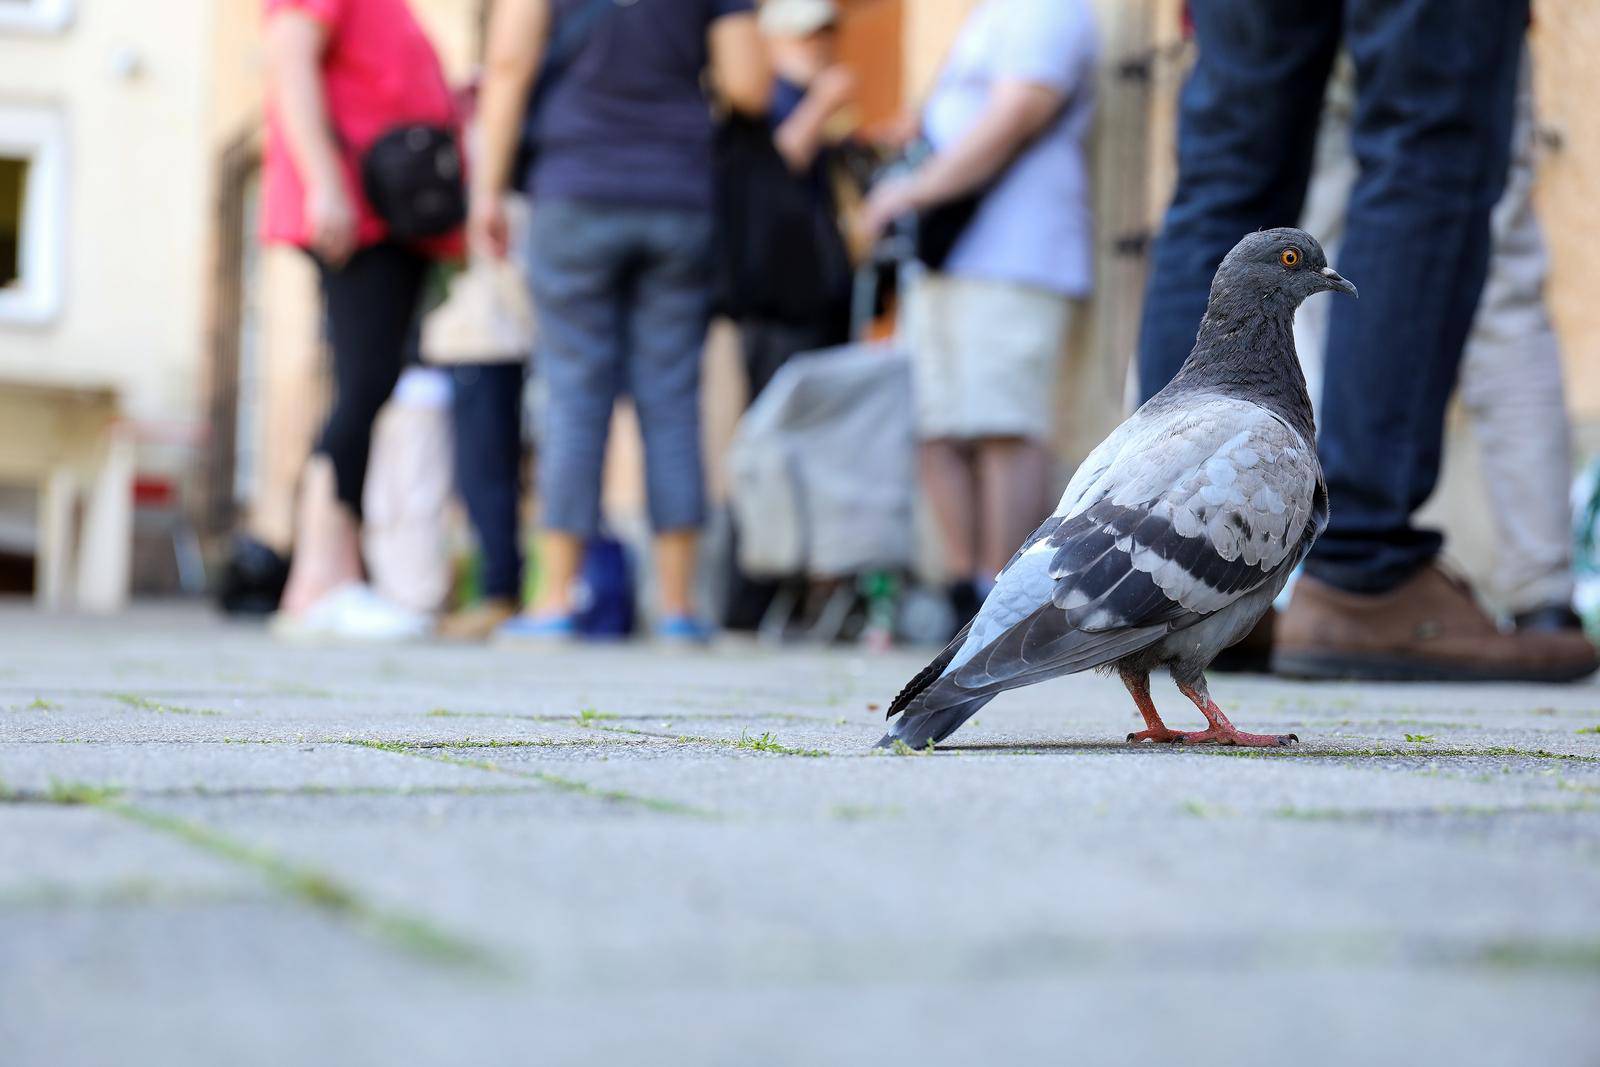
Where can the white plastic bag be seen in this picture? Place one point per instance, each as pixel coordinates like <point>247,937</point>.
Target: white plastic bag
<point>406,501</point>
<point>487,317</point>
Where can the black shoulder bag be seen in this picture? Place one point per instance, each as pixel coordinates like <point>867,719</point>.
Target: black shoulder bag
<point>780,253</point>
<point>941,226</point>
<point>412,177</point>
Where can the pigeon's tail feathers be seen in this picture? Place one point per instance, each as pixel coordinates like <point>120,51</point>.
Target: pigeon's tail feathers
<point>928,675</point>
<point>918,729</point>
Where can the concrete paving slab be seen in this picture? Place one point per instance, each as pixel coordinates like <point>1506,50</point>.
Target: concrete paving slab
<point>622,854</point>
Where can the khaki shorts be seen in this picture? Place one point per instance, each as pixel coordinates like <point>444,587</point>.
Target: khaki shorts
<point>985,356</point>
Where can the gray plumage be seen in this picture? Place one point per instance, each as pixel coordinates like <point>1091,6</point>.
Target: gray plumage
<point>1177,532</point>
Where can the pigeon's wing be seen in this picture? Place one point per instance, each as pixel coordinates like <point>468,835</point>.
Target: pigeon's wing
<point>1174,518</point>
<point>1219,503</point>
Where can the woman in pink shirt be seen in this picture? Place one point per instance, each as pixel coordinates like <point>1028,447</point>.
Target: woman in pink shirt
<point>342,73</point>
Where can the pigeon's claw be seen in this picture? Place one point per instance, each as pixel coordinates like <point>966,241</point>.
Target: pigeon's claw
<point>1229,736</point>
<point>1159,734</point>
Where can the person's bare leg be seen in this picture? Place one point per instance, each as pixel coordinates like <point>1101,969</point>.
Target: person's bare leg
<point>327,544</point>
<point>1013,480</point>
<point>677,553</point>
<point>560,556</point>
<point>950,482</point>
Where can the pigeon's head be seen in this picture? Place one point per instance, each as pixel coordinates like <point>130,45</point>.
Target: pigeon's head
<point>1279,267</point>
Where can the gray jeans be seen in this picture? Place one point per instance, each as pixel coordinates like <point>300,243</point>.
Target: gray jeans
<point>623,297</point>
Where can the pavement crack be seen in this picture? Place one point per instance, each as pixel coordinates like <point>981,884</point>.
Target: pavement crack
<point>413,934</point>
<point>556,781</point>
<point>134,700</point>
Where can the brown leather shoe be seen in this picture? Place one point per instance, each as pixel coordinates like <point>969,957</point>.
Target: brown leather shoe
<point>1429,629</point>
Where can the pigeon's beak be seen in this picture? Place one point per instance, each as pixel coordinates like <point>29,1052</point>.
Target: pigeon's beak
<point>1332,279</point>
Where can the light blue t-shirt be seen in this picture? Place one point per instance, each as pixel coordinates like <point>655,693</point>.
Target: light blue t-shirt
<point>1035,226</point>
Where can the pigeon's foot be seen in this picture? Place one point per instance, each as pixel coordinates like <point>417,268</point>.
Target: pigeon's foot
<point>1227,735</point>
<point>1223,732</point>
<point>1159,734</point>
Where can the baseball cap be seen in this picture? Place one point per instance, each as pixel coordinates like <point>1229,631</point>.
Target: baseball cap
<point>797,18</point>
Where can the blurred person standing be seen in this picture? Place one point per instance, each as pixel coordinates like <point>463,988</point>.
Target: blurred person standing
<point>1008,183</point>
<point>484,334</point>
<point>343,76</point>
<point>1431,128</point>
<point>784,273</point>
<point>1513,391</point>
<point>621,253</point>
<point>1511,379</point>
<point>811,91</point>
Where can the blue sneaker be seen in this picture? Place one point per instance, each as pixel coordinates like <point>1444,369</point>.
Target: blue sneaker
<point>537,629</point>
<point>683,630</point>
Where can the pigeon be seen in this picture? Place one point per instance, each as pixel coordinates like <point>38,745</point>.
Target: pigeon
<point>1175,535</point>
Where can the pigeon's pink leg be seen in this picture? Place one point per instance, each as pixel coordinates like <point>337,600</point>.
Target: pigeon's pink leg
<point>1139,688</point>
<point>1222,731</point>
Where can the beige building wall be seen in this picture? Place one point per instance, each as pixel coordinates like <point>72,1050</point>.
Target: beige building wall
<point>130,84</point>
<point>1566,43</point>
<point>930,28</point>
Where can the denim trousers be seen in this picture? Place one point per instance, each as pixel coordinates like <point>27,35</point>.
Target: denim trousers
<point>1431,130</point>
<point>1511,386</point>
<point>487,410</point>
<point>623,297</point>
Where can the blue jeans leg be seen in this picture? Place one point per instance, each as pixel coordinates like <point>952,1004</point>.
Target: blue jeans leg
<point>623,297</point>
<point>670,309</point>
<point>1432,131</point>
<point>488,441</point>
<point>576,268</point>
<point>1246,129</point>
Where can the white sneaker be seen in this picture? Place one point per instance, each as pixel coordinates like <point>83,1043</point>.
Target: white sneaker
<point>356,614</point>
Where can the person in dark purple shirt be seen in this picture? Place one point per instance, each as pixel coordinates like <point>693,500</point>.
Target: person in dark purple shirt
<point>620,258</point>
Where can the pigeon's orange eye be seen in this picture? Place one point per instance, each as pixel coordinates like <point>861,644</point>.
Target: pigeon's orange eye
<point>1289,257</point>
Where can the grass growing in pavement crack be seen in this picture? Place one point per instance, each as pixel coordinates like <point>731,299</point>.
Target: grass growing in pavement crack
<point>488,742</point>
<point>132,891</point>
<point>412,933</point>
<point>556,781</point>
<point>1583,730</point>
<point>767,743</point>
<point>1572,955</point>
<point>133,700</point>
<point>1434,811</point>
<point>295,689</point>
<point>1390,753</point>
<point>857,812</point>
<point>41,704</point>
<point>338,791</point>
<point>1200,809</point>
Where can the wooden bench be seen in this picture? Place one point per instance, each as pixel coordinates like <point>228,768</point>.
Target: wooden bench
<point>70,444</point>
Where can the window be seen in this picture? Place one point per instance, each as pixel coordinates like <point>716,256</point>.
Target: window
<point>32,234</point>
<point>13,194</point>
<point>35,16</point>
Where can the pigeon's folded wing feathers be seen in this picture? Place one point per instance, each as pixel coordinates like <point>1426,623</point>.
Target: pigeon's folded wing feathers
<point>1209,512</point>
<point>1173,518</point>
